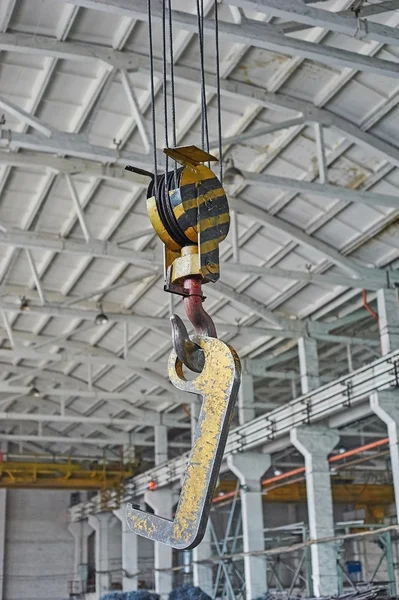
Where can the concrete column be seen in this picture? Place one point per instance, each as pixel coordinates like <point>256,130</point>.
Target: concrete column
<point>315,444</point>
<point>202,573</point>
<point>80,532</point>
<point>195,409</point>
<point>246,411</point>
<point>3,520</point>
<point>308,364</point>
<point>161,444</point>
<point>249,468</point>
<point>388,320</point>
<point>129,454</point>
<point>101,524</point>
<point>130,552</point>
<point>385,404</point>
<point>161,501</point>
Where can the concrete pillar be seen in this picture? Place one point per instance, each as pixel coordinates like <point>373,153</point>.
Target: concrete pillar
<point>249,467</point>
<point>308,364</point>
<point>161,501</point>
<point>3,521</point>
<point>130,552</point>
<point>385,404</point>
<point>388,320</point>
<point>315,444</point>
<point>129,454</point>
<point>161,444</point>
<point>246,411</point>
<point>80,532</point>
<point>202,573</point>
<point>195,409</point>
<point>101,524</point>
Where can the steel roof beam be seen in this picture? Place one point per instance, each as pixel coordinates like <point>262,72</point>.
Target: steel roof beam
<point>367,10</point>
<point>92,420</point>
<point>27,118</point>
<point>133,61</point>
<point>344,22</point>
<point>6,10</point>
<point>260,35</point>
<point>300,236</point>
<point>94,248</point>
<point>258,367</point>
<point>325,190</point>
<point>371,278</point>
<point>154,418</point>
<point>292,328</point>
<point>118,440</point>
<point>93,169</point>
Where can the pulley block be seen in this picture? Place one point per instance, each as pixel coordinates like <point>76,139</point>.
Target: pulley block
<point>189,211</point>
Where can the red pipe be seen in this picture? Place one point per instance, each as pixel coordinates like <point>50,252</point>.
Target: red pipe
<point>364,448</point>
<point>276,478</point>
<point>367,306</point>
<point>300,470</point>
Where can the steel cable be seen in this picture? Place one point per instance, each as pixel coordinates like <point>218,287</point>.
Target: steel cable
<point>219,107</point>
<point>204,112</point>
<point>165,94</point>
<point>172,85</point>
<point>152,91</point>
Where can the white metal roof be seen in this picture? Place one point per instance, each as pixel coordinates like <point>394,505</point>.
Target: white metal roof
<point>65,74</point>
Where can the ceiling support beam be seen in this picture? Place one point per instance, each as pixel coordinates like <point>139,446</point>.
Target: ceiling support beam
<point>297,234</point>
<point>260,131</point>
<point>35,274</point>
<point>119,439</point>
<point>345,22</point>
<point>136,111</point>
<point>93,169</point>
<point>292,328</point>
<point>80,419</point>
<point>324,190</point>
<point>25,117</point>
<point>95,248</point>
<point>133,61</point>
<point>370,278</point>
<point>153,418</point>
<point>78,208</point>
<point>262,35</point>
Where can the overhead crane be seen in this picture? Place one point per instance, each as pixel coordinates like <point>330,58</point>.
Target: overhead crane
<point>64,476</point>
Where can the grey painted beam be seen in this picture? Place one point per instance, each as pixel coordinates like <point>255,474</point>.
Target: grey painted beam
<point>371,278</point>
<point>344,22</point>
<point>292,329</point>
<point>45,46</point>
<point>325,190</point>
<point>255,33</point>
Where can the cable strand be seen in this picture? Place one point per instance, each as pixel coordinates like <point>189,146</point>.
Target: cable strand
<point>218,95</point>
<point>152,91</point>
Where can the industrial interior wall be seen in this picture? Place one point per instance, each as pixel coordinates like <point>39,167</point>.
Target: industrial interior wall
<point>39,550</point>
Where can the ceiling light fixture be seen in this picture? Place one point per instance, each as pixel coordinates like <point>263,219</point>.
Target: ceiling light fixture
<point>101,319</point>
<point>35,392</point>
<point>277,472</point>
<point>23,304</point>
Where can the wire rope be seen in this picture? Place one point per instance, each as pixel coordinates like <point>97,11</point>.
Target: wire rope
<point>152,91</point>
<point>218,97</point>
<point>204,113</point>
<point>172,85</point>
<point>165,94</point>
